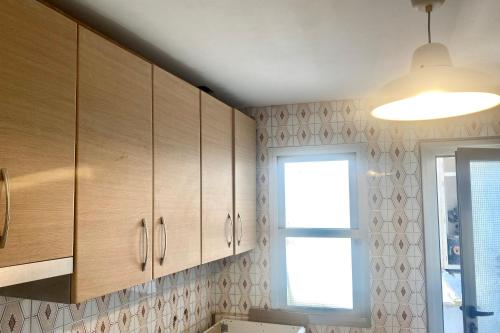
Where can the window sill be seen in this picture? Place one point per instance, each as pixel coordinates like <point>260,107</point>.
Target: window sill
<point>301,317</point>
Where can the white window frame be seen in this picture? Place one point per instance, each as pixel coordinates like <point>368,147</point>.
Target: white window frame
<point>360,315</point>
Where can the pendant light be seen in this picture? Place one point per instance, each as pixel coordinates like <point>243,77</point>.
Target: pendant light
<point>434,88</point>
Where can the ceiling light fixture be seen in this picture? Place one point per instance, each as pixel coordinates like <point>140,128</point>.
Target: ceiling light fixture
<point>434,88</point>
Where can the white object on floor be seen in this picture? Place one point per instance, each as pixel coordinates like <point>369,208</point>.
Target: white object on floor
<point>241,326</point>
<point>452,289</point>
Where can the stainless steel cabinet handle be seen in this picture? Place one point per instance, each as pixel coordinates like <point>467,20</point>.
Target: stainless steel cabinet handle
<point>146,244</point>
<point>230,240</point>
<point>164,232</point>
<point>4,176</point>
<point>240,237</point>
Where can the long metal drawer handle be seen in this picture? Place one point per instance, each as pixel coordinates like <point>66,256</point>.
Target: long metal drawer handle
<point>241,229</point>
<point>228,219</point>
<point>146,243</point>
<point>164,232</point>
<point>5,178</point>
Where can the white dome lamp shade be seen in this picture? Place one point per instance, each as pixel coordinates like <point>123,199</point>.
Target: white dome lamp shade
<point>434,88</point>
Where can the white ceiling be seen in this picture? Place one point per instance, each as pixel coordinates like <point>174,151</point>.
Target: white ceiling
<point>263,52</point>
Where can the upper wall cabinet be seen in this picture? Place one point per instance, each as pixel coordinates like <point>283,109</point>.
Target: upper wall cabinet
<point>37,134</point>
<point>245,233</point>
<point>217,179</point>
<point>197,161</point>
<point>114,169</point>
<point>177,191</point>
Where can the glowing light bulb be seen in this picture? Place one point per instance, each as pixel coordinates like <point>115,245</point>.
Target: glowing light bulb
<point>436,105</point>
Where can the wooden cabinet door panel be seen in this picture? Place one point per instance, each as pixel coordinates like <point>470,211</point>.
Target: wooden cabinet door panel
<point>114,168</point>
<point>244,182</point>
<point>177,186</point>
<point>217,178</point>
<point>37,130</point>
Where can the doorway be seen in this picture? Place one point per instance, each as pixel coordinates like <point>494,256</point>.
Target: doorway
<point>443,225</point>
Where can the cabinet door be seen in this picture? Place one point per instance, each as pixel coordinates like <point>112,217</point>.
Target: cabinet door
<point>37,131</point>
<point>216,179</point>
<point>177,187</point>
<point>244,182</point>
<point>114,168</point>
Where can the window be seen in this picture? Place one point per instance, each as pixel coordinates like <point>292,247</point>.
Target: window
<point>319,255</point>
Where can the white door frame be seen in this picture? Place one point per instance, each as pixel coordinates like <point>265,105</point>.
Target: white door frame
<point>429,150</point>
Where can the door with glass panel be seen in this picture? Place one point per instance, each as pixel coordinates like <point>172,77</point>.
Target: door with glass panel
<point>478,184</point>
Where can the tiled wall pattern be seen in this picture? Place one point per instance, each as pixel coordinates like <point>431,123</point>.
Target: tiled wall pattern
<point>395,201</point>
<point>181,302</point>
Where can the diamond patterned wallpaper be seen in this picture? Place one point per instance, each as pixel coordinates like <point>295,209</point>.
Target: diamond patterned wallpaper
<point>395,201</point>
<point>184,302</point>
<point>181,302</point>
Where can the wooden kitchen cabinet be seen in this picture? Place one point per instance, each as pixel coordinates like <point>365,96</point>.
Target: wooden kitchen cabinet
<point>245,233</point>
<point>217,179</point>
<point>177,186</point>
<point>81,161</point>
<point>38,49</point>
<point>114,169</point>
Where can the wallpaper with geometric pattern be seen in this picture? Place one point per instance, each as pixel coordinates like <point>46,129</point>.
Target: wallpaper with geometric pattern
<point>186,301</point>
<point>397,274</point>
<point>181,302</point>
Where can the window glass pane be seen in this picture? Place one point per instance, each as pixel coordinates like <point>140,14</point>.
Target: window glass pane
<point>485,198</point>
<point>317,194</point>
<point>319,272</point>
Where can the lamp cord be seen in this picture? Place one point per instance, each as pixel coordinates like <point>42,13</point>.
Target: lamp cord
<point>428,9</point>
